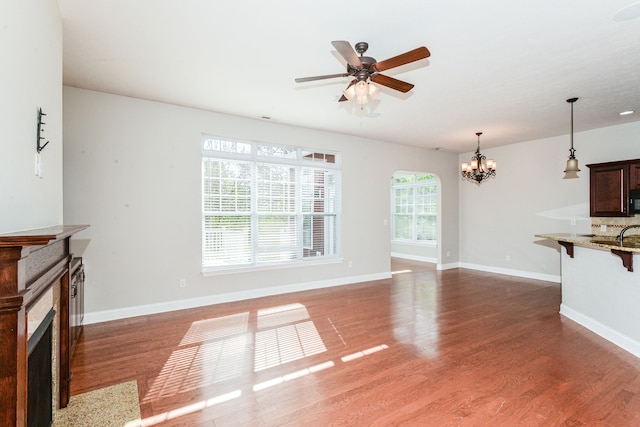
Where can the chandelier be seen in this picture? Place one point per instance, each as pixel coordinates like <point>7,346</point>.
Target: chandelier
<point>479,169</point>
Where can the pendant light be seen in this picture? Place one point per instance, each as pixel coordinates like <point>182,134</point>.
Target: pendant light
<point>572,169</point>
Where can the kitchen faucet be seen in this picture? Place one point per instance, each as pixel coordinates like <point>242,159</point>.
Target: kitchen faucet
<point>621,235</point>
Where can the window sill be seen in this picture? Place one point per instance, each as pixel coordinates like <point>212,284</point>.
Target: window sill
<point>233,270</point>
<point>430,243</point>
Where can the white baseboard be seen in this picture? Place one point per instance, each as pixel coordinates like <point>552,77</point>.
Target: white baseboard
<point>413,257</point>
<point>143,310</point>
<point>426,259</point>
<point>449,266</point>
<point>510,272</point>
<point>622,341</point>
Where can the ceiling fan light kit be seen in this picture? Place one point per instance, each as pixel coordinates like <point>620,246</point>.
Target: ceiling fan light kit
<point>361,92</point>
<point>365,68</point>
<point>479,169</point>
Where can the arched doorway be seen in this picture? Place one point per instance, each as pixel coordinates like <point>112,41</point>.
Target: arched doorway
<point>415,216</point>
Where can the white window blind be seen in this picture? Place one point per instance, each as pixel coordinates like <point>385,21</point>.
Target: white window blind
<point>415,207</point>
<point>267,204</point>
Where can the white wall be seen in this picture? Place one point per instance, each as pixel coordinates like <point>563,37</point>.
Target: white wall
<point>132,171</point>
<point>30,78</point>
<point>414,251</point>
<point>528,196</point>
<point>599,293</point>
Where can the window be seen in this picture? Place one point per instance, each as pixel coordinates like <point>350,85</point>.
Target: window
<point>265,204</point>
<point>414,207</point>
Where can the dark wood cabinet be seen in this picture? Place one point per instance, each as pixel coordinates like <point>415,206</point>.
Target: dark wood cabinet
<point>634,176</point>
<point>609,187</point>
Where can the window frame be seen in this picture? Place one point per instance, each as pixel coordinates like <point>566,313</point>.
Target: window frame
<point>301,161</point>
<point>414,185</point>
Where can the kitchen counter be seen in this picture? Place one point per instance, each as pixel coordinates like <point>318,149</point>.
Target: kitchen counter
<point>630,243</point>
<point>596,292</point>
<point>624,250</point>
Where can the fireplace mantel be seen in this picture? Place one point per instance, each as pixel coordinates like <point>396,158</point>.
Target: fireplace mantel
<point>31,263</point>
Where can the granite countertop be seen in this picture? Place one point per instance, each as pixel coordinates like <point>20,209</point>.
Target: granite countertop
<point>630,243</point>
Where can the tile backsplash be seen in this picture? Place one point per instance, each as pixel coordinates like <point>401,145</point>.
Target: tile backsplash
<point>613,225</point>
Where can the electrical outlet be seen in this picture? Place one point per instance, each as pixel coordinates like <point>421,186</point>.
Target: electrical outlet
<point>508,257</point>
<point>183,283</point>
<point>573,221</point>
<point>603,227</point>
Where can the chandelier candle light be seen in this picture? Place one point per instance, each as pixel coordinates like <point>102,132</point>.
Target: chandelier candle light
<point>479,169</point>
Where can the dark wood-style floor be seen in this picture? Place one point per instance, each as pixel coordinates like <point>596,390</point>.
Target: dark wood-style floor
<point>426,348</point>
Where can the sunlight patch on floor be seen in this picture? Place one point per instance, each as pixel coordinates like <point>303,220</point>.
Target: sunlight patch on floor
<point>218,327</point>
<point>401,272</point>
<point>292,376</point>
<point>189,409</point>
<point>275,316</point>
<point>359,354</point>
<point>277,346</point>
<point>219,349</point>
<point>193,367</point>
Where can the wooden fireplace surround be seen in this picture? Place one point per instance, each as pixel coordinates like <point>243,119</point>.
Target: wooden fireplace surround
<point>31,263</point>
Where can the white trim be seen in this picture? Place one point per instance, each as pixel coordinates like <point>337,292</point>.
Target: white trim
<point>143,310</point>
<point>418,243</point>
<point>262,267</point>
<point>506,271</point>
<point>449,266</point>
<point>414,257</point>
<point>621,340</point>
<point>510,272</point>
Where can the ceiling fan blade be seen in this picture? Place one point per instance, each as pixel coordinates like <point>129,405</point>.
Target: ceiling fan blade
<point>344,98</point>
<point>405,58</point>
<point>347,52</point>
<point>387,81</point>
<point>328,76</point>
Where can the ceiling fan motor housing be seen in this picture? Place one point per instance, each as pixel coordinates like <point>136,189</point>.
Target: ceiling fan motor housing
<point>367,62</point>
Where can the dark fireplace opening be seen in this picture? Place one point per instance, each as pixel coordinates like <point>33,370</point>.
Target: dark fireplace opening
<point>39,391</point>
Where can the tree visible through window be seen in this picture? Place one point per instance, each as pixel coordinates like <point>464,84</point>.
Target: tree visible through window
<point>267,204</point>
<point>414,207</point>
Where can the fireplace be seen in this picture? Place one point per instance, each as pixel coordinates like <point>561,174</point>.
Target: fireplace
<point>40,374</point>
<point>34,285</point>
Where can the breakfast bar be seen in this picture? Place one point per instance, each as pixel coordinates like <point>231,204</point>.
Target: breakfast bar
<point>600,289</point>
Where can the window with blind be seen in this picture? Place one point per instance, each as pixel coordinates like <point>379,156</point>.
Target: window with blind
<point>265,204</point>
<point>414,207</point>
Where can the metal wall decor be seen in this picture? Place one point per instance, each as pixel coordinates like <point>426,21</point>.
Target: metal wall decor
<point>39,138</point>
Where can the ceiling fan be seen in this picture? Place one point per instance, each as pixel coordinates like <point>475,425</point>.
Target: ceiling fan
<point>365,68</point>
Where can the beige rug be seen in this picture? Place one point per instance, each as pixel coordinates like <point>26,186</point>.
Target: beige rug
<point>115,406</point>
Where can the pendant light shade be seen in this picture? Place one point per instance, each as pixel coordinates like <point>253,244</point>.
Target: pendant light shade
<point>572,169</point>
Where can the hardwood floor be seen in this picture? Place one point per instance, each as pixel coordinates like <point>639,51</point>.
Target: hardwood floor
<point>426,348</point>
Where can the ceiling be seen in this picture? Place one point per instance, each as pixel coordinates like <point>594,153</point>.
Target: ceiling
<point>502,67</point>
